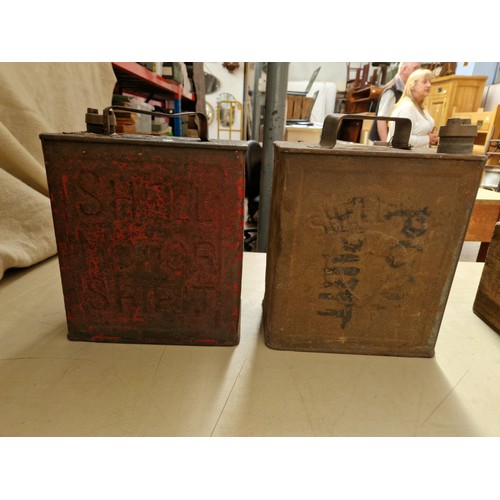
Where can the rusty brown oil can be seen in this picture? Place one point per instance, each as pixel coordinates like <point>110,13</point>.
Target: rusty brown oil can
<point>149,233</point>
<point>487,302</point>
<point>363,246</point>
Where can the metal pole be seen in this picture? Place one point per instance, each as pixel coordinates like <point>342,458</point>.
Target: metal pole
<point>256,102</point>
<point>274,130</point>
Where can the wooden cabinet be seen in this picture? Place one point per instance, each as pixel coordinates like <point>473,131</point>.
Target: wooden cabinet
<point>485,215</point>
<point>310,134</point>
<point>454,93</point>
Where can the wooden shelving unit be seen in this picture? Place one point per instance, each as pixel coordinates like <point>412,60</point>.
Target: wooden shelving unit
<point>360,100</point>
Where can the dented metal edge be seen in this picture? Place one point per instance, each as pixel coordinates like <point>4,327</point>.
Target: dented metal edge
<point>144,140</point>
<point>347,148</point>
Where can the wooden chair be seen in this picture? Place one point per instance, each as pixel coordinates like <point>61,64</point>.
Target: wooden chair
<point>491,175</point>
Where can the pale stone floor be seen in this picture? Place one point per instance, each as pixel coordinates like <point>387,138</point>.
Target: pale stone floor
<point>469,251</point>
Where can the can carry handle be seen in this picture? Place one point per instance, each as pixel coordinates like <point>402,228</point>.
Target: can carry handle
<point>108,114</point>
<point>331,127</point>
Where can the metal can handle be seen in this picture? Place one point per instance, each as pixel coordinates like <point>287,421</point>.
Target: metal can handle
<point>331,127</point>
<point>108,118</point>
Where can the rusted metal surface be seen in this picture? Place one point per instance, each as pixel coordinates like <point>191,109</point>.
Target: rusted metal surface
<point>457,136</point>
<point>149,233</point>
<point>95,122</point>
<point>364,244</point>
<point>487,301</point>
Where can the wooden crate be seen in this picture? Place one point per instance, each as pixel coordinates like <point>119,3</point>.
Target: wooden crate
<point>299,107</point>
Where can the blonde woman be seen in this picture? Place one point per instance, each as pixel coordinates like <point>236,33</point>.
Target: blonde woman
<point>411,105</point>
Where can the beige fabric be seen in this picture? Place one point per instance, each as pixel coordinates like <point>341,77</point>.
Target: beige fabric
<point>37,98</point>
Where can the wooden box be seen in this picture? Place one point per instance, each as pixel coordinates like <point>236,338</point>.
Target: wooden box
<point>149,233</point>
<point>487,301</point>
<point>299,107</point>
<point>363,245</point>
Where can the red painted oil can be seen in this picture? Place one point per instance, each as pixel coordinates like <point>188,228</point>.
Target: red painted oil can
<point>149,232</point>
<point>364,243</point>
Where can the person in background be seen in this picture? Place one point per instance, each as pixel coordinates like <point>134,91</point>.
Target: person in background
<point>391,93</point>
<point>411,105</point>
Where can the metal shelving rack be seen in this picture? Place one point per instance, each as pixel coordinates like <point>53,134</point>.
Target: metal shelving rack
<point>138,80</point>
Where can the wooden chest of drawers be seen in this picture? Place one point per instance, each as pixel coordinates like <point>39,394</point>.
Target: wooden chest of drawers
<point>454,93</point>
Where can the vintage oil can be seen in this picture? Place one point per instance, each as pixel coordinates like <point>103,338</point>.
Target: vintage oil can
<point>363,245</point>
<point>149,232</point>
<point>487,302</point>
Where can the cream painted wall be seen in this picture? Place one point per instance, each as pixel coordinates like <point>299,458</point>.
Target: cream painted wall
<point>334,72</point>
<point>491,97</point>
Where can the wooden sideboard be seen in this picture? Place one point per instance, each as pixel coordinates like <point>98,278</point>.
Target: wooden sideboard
<point>485,215</point>
<point>303,133</point>
<point>454,93</point>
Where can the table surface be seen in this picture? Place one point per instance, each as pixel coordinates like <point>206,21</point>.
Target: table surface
<point>50,386</point>
<point>486,195</point>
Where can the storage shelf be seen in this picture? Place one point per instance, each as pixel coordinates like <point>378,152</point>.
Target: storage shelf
<point>132,77</point>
